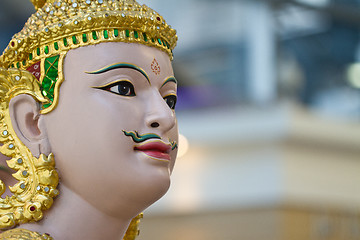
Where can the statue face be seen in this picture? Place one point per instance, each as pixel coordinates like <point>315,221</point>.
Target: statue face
<point>111,92</point>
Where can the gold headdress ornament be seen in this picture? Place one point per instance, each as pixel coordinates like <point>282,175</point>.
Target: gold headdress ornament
<point>61,25</point>
<point>37,52</point>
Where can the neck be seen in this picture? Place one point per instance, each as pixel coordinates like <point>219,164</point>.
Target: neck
<point>71,217</point>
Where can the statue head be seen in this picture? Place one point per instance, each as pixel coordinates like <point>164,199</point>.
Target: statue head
<point>89,84</point>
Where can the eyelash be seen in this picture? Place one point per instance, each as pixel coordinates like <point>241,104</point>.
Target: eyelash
<point>123,88</point>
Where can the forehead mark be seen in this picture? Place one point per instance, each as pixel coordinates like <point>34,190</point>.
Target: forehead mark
<point>121,65</point>
<point>169,79</point>
<point>155,67</point>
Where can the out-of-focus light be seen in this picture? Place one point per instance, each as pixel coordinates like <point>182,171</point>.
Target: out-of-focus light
<point>353,75</point>
<point>183,146</point>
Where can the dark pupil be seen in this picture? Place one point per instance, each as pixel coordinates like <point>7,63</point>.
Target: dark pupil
<point>124,89</point>
<point>171,101</point>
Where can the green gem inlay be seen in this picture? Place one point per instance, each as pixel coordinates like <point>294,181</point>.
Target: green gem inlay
<point>56,46</point>
<point>24,63</point>
<point>38,51</point>
<point>46,50</point>
<point>74,40</point>
<point>136,35</point>
<point>127,33</point>
<point>84,38</point>
<point>152,40</point>
<point>159,41</point>
<point>30,56</point>
<point>106,34</point>
<point>65,42</point>
<point>51,65</point>
<point>94,36</point>
<point>18,65</point>
<point>145,37</point>
<point>46,105</point>
<point>12,65</point>
<point>116,32</point>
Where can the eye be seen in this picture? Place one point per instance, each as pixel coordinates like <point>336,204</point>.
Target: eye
<point>171,101</point>
<point>123,88</point>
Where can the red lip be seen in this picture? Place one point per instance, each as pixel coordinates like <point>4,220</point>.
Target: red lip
<point>155,149</point>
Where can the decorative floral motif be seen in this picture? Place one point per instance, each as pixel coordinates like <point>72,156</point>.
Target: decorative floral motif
<point>155,67</point>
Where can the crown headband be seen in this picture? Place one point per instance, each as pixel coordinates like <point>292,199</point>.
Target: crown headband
<point>61,25</point>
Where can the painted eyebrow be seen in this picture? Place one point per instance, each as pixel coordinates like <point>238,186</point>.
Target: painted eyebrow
<point>121,65</point>
<point>169,79</point>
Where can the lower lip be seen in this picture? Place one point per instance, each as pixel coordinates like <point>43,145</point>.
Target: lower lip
<point>157,154</point>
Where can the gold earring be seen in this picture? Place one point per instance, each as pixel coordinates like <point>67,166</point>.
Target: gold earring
<point>37,177</point>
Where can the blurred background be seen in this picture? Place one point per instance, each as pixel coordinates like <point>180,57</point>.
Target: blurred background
<point>269,116</point>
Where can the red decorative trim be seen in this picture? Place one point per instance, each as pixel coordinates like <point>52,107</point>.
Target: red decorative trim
<point>35,70</point>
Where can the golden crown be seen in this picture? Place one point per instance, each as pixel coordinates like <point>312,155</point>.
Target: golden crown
<point>61,25</point>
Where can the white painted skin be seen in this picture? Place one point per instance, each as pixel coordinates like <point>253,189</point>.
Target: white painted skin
<point>104,183</point>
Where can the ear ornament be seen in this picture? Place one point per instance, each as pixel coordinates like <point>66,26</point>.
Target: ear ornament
<point>37,177</point>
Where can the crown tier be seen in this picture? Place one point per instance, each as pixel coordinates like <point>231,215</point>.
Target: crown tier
<point>63,25</point>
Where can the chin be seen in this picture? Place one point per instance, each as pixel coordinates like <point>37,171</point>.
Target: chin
<point>155,189</point>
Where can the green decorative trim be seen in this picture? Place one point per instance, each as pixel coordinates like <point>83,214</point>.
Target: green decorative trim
<point>50,78</point>
<point>84,38</point>
<point>136,35</point>
<point>127,33</point>
<point>116,32</point>
<point>46,49</point>
<point>30,56</point>
<point>38,51</point>
<point>75,41</point>
<point>94,36</point>
<point>137,138</point>
<point>145,37</point>
<point>106,34</point>
<point>65,42</point>
<point>56,46</point>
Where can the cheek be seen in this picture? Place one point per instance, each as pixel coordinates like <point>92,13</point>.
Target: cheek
<point>174,136</point>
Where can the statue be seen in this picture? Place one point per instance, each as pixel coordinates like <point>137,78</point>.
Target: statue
<point>87,119</point>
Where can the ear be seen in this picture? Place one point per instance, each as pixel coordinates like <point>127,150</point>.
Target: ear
<point>29,124</point>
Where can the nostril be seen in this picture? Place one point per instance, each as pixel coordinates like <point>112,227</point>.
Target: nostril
<point>155,125</point>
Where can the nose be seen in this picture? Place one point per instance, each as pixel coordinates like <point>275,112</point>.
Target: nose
<point>158,114</point>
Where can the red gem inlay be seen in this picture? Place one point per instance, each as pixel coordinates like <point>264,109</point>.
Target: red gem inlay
<point>158,18</point>
<point>12,44</point>
<point>32,208</point>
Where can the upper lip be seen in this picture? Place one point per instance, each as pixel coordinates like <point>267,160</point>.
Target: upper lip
<point>156,145</point>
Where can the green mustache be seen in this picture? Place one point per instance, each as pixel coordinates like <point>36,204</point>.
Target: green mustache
<point>137,138</point>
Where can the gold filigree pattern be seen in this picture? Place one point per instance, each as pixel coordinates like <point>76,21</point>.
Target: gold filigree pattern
<point>23,234</point>
<point>37,178</point>
<point>133,229</point>
<point>61,25</point>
